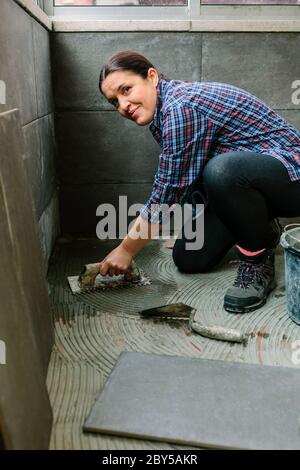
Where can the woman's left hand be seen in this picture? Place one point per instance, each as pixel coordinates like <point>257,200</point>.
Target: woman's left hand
<point>116,262</point>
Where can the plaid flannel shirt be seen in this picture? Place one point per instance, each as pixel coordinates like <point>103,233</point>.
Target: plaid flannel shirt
<point>194,121</point>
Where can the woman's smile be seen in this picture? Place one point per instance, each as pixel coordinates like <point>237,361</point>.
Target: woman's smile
<point>133,113</point>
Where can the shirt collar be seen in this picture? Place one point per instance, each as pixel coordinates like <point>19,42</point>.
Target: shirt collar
<point>161,92</point>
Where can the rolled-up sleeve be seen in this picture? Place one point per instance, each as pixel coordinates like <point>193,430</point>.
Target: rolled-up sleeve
<point>187,135</point>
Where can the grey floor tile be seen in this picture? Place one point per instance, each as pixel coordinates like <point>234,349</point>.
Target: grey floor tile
<point>209,403</point>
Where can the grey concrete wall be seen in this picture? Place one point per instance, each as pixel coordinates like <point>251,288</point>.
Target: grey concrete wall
<point>26,71</point>
<point>101,155</point>
<point>25,320</point>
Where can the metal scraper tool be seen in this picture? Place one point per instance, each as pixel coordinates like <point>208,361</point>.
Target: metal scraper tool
<point>182,311</point>
<point>178,311</point>
<point>89,280</point>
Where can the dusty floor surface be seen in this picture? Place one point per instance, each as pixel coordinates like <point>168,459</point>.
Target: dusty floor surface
<point>92,329</point>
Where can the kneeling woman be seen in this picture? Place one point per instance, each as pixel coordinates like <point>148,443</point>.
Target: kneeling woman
<point>226,145</point>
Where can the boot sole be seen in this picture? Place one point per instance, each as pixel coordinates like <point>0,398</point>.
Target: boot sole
<point>249,308</point>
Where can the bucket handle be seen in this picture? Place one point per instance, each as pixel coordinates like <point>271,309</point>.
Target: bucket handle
<point>288,227</point>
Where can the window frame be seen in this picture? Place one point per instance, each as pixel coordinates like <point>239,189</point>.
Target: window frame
<point>193,11</point>
<point>126,11</point>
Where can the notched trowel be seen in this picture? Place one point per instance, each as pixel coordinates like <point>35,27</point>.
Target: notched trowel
<point>185,312</point>
<point>90,280</point>
<point>171,311</point>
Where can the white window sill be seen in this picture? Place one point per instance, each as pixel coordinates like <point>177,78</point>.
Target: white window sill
<point>246,25</point>
<point>119,25</point>
<point>205,25</point>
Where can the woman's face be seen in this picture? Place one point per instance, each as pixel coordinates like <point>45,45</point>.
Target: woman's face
<point>133,96</point>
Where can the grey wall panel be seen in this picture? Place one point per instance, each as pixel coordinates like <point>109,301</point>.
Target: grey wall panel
<point>32,162</point>
<point>24,229</point>
<point>78,58</point>
<point>49,227</point>
<point>42,65</point>
<point>48,158</point>
<point>265,64</point>
<point>16,59</point>
<point>25,321</point>
<point>39,158</point>
<point>292,116</point>
<point>25,67</point>
<point>25,412</point>
<point>78,203</point>
<point>103,147</point>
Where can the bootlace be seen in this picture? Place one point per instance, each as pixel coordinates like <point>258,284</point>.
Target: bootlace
<point>248,273</point>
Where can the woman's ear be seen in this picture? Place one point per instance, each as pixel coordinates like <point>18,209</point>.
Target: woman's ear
<point>152,73</point>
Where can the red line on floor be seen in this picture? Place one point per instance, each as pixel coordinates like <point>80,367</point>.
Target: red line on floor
<point>196,347</point>
<point>259,339</point>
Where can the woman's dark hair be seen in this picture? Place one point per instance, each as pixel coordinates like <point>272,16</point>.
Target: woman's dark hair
<point>127,60</point>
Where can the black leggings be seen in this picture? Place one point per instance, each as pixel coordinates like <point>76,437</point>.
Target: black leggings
<point>242,192</point>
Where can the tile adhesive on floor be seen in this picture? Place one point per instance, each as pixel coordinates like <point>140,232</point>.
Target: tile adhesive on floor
<point>93,329</point>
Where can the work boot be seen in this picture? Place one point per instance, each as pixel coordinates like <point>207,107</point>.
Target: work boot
<point>254,281</point>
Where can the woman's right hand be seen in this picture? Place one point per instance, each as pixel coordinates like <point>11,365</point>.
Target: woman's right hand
<point>116,262</point>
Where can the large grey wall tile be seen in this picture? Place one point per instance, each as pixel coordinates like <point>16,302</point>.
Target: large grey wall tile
<point>16,59</point>
<point>49,228</point>
<point>265,64</point>
<point>78,58</point>
<point>291,116</point>
<point>33,164</point>
<point>25,321</point>
<point>39,161</point>
<point>103,147</point>
<point>25,68</point>
<point>24,404</point>
<point>42,64</point>
<point>24,228</point>
<point>78,203</point>
<point>48,157</point>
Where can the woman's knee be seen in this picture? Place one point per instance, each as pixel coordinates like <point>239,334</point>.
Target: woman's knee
<point>188,261</point>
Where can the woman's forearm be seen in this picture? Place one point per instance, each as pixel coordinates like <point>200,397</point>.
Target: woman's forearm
<point>139,235</point>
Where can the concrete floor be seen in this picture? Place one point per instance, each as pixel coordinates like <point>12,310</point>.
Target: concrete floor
<point>92,329</point>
